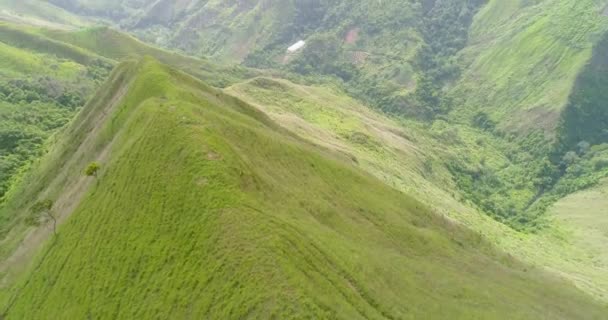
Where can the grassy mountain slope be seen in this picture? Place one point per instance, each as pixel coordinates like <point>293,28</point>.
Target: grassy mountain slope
<point>50,179</point>
<point>523,58</point>
<point>42,85</point>
<point>39,13</point>
<point>119,46</point>
<point>47,75</point>
<point>416,159</point>
<point>215,211</point>
<point>516,61</point>
<point>527,69</point>
<point>583,217</point>
<point>585,117</point>
<point>87,45</point>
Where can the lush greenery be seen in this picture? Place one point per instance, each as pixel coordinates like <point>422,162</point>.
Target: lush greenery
<point>518,108</point>
<point>42,86</point>
<point>494,107</point>
<point>232,216</point>
<point>404,156</point>
<point>585,118</point>
<point>49,74</point>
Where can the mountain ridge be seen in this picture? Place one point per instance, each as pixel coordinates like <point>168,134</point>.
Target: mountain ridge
<point>255,238</point>
<point>496,126</point>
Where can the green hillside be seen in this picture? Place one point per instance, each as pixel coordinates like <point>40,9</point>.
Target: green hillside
<point>118,46</point>
<point>506,74</point>
<point>523,59</point>
<point>39,13</point>
<point>582,216</point>
<point>215,211</point>
<point>415,159</point>
<point>43,83</point>
<point>48,75</point>
<point>383,51</point>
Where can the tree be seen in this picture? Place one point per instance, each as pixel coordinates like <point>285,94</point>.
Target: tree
<point>483,121</point>
<point>583,147</point>
<point>43,210</point>
<point>92,169</point>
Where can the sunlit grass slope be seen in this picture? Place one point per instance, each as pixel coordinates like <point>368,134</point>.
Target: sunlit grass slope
<point>116,45</point>
<point>43,83</point>
<point>88,45</point>
<point>26,38</point>
<point>206,209</point>
<point>523,59</point>
<point>41,13</point>
<point>583,217</point>
<point>414,159</point>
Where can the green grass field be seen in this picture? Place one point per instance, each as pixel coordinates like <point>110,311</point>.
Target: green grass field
<point>288,198</point>
<point>118,46</point>
<point>215,211</point>
<point>39,13</point>
<point>523,58</point>
<point>582,218</point>
<point>413,159</point>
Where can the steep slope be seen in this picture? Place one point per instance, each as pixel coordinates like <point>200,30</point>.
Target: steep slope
<point>416,160</point>
<point>39,13</point>
<point>395,55</point>
<point>87,45</point>
<point>516,61</point>
<point>205,208</point>
<point>582,217</point>
<point>532,86</point>
<point>47,75</point>
<point>43,83</point>
<point>118,46</point>
<point>523,59</point>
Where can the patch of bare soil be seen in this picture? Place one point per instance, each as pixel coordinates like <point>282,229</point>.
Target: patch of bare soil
<point>352,36</point>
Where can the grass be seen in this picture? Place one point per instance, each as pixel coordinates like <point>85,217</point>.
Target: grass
<point>214,211</point>
<point>46,177</point>
<point>27,38</point>
<point>16,62</point>
<point>118,46</point>
<point>43,83</point>
<point>40,13</point>
<point>582,216</point>
<point>522,61</point>
<point>413,159</point>
<point>88,46</point>
<point>521,76</point>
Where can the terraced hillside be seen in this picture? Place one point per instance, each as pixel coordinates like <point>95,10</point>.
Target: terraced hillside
<point>215,211</point>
